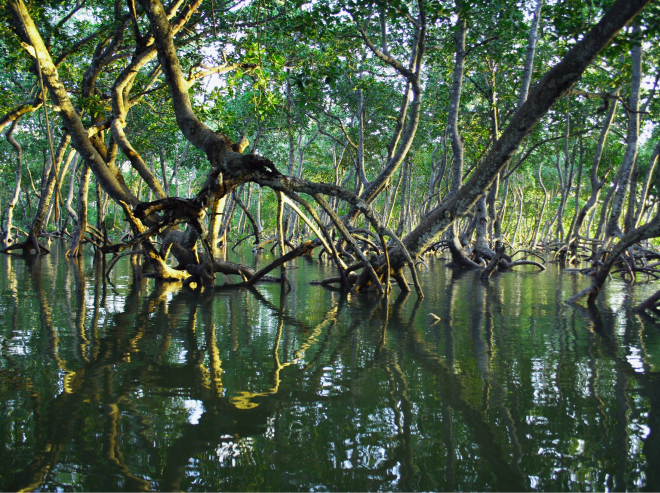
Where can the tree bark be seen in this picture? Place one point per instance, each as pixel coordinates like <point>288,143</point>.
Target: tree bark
<point>531,51</point>
<point>76,247</point>
<point>17,188</point>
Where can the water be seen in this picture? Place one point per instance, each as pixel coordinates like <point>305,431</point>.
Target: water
<point>133,386</point>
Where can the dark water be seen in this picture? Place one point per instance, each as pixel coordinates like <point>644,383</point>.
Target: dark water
<point>134,386</point>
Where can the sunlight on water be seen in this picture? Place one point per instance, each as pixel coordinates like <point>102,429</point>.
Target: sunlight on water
<point>127,384</point>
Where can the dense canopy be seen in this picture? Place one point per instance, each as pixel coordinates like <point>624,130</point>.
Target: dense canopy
<point>371,132</point>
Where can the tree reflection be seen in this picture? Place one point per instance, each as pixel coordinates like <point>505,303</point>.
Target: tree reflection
<point>178,390</point>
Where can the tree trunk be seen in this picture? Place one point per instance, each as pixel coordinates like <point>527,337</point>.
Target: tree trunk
<point>404,197</point>
<point>576,208</point>
<point>69,198</point>
<point>613,229</point>
<point>531,50</point>
<point>520,214</point>
<point>545,200</point>
<point>216,210</point>
<point>566,180</point>
<point>596,184</point>
<point>602,221</point>
<point>163,168</point>
<point>645,187</point>
<point>458,254</point>
<point>48,187</point>
<point>555,84</point>
<point>17,188</point>
<point>76,248</point>
<point>632,199</point>
<point>481,247</point>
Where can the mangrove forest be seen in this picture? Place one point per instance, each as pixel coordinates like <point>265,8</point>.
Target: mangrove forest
<point>291,245</point>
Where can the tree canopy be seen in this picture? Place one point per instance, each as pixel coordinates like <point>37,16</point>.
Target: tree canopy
<point>374,132</point>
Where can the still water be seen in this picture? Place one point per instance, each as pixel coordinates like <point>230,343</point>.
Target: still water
<point>130,385</point>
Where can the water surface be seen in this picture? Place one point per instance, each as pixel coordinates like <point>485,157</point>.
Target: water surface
<point>132,385</point>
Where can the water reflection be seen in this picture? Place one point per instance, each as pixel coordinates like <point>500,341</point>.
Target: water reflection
<point>122,383</point>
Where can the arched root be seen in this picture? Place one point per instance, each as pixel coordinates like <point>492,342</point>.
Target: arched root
<point>527,262</point>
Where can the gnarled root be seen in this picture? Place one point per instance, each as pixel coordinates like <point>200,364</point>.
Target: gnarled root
<point>200,274</point>
<point>31,243</point>
<point>527,262</point>
<point>459,259</point>
<point>162,270</point>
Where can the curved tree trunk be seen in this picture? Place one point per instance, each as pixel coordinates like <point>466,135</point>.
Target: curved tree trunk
<point>404,133</point>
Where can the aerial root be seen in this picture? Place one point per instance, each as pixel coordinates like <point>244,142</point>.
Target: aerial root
<point>202,274</point>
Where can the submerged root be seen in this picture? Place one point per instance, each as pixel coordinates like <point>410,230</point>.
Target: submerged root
<point>527,262</point>
<point>29,245</point>
<point>352,279</point>
<point>650,303</point>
